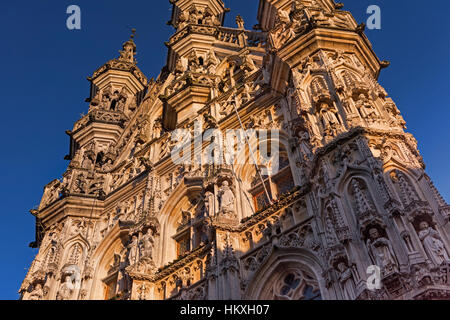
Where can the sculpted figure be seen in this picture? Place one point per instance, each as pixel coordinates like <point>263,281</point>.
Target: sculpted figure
<point>366,109</point>
<point>147,245</point>
<point>121,102</point>
<point>432,242</point>
<point>328,116</point>
<point>179,67</point>
<point>330,120</point>
<point>87,163</point>
<point>305,147</point>
<point>65,290</point>
<point>395,116</point>
<point>247,63</point>
<point>347,282</point>
<point>210,203</point>
<point>283,16</point>
<point>108,165</point>
<point>381,252</point>
<point>134,251</point>
<point>226,198</point>
<point>106,101</point>
<point>80,185</point>
<point>157,129</point>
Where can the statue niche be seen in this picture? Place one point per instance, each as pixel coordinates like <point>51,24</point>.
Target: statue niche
<point>226,200</point>
<point>346,277</point>
<point>381,251</point>
<point>70,281</point>
<point>366,109</point>
<point>324,107</point>
<point>432,243</point>
<point>329,119</point>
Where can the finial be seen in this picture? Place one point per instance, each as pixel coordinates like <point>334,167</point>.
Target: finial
<point>129,49</point>
<point>240,22</point>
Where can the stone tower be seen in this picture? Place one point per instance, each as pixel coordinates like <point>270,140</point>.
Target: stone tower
<point>349,193</point>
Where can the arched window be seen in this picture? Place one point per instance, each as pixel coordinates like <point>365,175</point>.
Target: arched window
<point>277,185</point>
<point>296,284</point>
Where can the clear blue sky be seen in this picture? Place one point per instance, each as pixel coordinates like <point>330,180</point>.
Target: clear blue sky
<point>43,86</point>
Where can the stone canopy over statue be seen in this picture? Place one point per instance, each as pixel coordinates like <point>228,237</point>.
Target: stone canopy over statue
<point>433,244</point>
<point>226,199</point>
<point>381,252</point>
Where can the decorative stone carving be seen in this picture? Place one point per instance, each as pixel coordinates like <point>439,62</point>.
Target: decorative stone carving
<point>433,244</point>
<point>66,289</point>
<point>346,280</point>
<point>37,293</point>
<point>340,137</point>
<point>381,252</point>
<point>226,199</point>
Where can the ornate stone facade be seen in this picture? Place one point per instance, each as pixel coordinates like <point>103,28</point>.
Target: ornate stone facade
<point>126,222</point>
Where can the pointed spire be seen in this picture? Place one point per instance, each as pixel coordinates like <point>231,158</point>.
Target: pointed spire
<point>129,49</point>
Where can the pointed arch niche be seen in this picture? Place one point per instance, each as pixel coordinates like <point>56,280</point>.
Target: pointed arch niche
<point>289,274</point>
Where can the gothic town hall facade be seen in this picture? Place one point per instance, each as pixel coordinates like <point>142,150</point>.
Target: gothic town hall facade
<point>127,222</point>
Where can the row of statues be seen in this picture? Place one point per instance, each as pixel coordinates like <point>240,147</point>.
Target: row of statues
<point>382,254</point>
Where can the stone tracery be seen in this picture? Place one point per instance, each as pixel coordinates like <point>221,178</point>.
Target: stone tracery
<point>351,190</point>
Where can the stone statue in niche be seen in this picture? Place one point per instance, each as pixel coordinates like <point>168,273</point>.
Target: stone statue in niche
<point>108,166</point>
<point>291,98</point>
<point>196,16</point>
<point>121,102</point>
<point>210,19</point>
<point>65,291</point>
<point>133,256</point>
<point>305,147</point>
<point>106,100</point>
<point>210,203</point>
<point>194,62</point>
<point>330,120</point>
<point>366,109</point>
<point>247,65</point>
<point>381,252</point>
<point>88,163</point>
<point>346,280</point>
<point>157,128</point>
<point>226,198</point>
<point>433,244</point>
<point>147,245</point>
<point>179,67</point>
